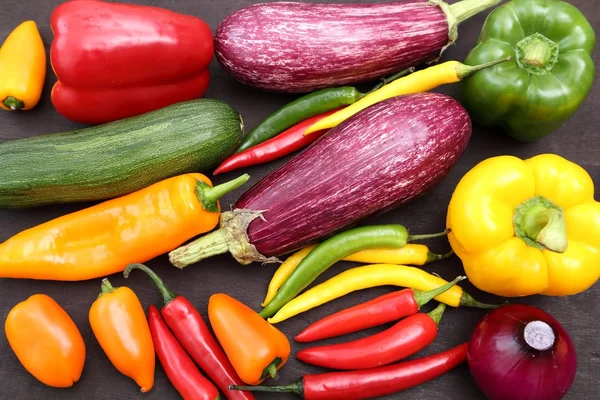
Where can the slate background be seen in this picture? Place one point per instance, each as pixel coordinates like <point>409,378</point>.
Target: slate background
<point>577,141</point>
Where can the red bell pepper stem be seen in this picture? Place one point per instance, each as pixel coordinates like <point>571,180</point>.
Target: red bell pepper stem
<point>186,323</point>
<point>373,382</point>
<point>279,146</point>
<point>179,367</point>
<point>379,311</point>
<point>404,339</point>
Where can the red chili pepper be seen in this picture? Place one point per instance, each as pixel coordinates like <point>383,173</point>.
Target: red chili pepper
<point>118,60</point>
<point>193,334</point>
<point>281,145</point>
<point>381,310</point>
<point>179,367</point>
<point>370,383</point>
<point>403,339</point>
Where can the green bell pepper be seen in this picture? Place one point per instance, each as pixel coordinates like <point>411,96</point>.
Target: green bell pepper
<point>550,73</point>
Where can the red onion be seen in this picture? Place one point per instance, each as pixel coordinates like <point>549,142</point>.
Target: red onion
<point>520,352</point>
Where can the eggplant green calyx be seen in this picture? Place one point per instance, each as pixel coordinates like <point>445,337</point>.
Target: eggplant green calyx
<point>541,224</point>
<point>537,54</point>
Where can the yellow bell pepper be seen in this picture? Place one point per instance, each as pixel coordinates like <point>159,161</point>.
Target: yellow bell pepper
<point>22,68</point>
<point>525,227</point>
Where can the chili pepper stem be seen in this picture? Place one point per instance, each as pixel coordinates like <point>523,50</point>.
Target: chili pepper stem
<point>462,70</point>
<point>296,388</point>
<point>422,298</point>
<point>166,294</point>
<point>431,257</point>
<point>466,300</point>
<point>437,313</point>
<point>412,238</point>
<point>209,196</point>
<point>13,103</point>
<point>106,287</point>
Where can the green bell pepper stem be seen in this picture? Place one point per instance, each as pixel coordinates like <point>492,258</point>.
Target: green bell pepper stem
<point>334,249</point>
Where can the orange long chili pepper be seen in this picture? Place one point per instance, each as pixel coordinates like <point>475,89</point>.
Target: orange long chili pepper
<point>46,341</point>
<point>105,238</point>
<point>121,328</point>
<point>255,348</point>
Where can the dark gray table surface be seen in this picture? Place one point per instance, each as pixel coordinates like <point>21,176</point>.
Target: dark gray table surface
<point>578,141</point>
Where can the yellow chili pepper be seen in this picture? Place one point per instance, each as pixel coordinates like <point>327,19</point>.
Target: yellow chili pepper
<point>418,82</point>
<point>22,68</point>
<point>411,254</point>
<point>524,227</point>
<point>369,276</point>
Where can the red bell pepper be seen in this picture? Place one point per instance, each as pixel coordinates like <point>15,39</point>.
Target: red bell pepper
<point>116,60</point>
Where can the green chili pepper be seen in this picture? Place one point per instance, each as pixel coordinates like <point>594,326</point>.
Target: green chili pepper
<point>308,106</point>
<point>550,74</point>
<point>335,249</point>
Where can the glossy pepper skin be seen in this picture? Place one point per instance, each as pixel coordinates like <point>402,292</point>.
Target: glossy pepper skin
<point>117,60</point>
<point>550,75</point>
<point>403,339</point>
<point>46,341</point>
<point>103,239</point>
<point>188,326</point>
<point>381,310</point>
<point>119,323</point>
<point>372,382</point>
<point>22,68</point>
<point>411,254</point>
<point>286,142</point>
<point>256,349</point>
<point>335,249</point>
<point>177,364</point>
<point>524,227</point>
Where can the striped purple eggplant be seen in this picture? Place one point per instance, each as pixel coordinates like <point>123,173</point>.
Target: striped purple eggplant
<point>298,47</point>
<point>379,159</point>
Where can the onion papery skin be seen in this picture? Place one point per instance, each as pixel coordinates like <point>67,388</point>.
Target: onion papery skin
<point>505,367</point>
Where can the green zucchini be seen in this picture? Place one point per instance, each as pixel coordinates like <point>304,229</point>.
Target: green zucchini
<point>117,158</point>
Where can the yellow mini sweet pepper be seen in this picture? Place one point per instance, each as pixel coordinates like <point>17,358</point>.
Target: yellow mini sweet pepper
<point>524,227</point>
<point>22,68</point>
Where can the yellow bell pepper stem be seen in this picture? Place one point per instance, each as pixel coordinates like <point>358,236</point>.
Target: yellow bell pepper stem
<point>541,224</point>
<point>411,254</point>
<point>372,276</point>
<point>418,82</point>
<point>22,68</point>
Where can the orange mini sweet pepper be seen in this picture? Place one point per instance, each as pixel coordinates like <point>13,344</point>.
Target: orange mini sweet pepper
<point>103,239</point>
<point>46,341</point>
<point>119,323</point>
<point>256,349</point>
